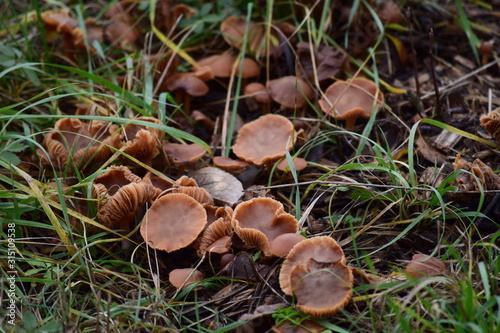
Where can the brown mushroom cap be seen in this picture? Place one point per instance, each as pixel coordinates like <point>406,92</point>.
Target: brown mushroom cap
<point>281,245</point>
<point>265,139</point>
<point>197,193</point>
<point>259,221</point>
<point>73,139</point>
<point>290,91</point>
<point>298,162</point>
<point>228,164</point>
<point>174,221</point>
<point>322,249</point>
<point>491,123</point>
<point>422,265</point>
<point>216,238</point>
<point>124,195</point>
<point>183,153</point>
<point>352,98</point>
<point>220,64</point>
<point>258,91</point>
<point>310,281</point>
<point>192,85</point>
<point>183,277</point>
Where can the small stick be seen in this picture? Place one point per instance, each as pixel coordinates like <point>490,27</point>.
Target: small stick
<point>433,72</point>
<point>413,51</point>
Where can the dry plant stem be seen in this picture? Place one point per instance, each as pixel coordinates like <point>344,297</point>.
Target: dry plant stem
<point>437,107</point>
<point>413,51</point>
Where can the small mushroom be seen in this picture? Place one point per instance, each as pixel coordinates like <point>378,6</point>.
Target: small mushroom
<point>197,193</point>
<point>422,265</point>
<point>257,222</point>
<point>183,155</point>
<point>265,139</point>
<point>491,123</point>
<point>222,65</point>
<point>173,222</point>
<point>257,92</point>
<point>183,277</point>
<point>141,141</point>
<point>123,195</point>
<point>185,86</point>
<point>313,266</point>
<point>228,164</point>
<point>216,238</point>
<point>350,99</point>
<point>290,92</point>
<point>298,163</point>
<point>281,245</point>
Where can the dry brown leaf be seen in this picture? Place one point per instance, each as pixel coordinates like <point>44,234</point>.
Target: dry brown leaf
<point>221,185</point>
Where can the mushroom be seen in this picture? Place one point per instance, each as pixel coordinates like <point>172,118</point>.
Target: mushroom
<point>328,60</point>
<point>216,238</point>
<point>485,49</point>
<point>123,195</point>
<point>183,277</point>
<point>257,92</point>
<point>257,222</point>
<point>123,34</point>
<point>183,155</point>
<point>222,65</point>
<point>290,92</point>
<point>173,222</point>
<point>265,139</point>
<point>491,123</point>
<point>313,266</point>
<point>185,86</point>
<point>298,163</point>
<point>142,142</point>
<point>73,140</point>
<point>422,265</point>
<point>228,164</point>
<point>281,245</point>
<point>197,193</point>
<point>350,99</point>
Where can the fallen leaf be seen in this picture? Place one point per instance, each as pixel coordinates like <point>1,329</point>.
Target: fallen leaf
<point>221,185</point>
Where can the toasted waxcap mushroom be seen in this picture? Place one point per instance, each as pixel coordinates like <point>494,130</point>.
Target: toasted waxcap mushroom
<point>350,99</point>
<point>190,84</point>
<point>311,279</point>
<point>222,65</point>
<point>422,265</point>
<point>258,91</point>
<point>183,277</point>
<point>142,142</point>
<point>282,244</point>
<point>290,91</point>
<point>322,249</point>
<point>228,164</point>
<point>259,221</point>
<point>54,21</point>
<point>491,123</point>
<point>265,139</point>
<point>174,221</point>
<point>298,162</point>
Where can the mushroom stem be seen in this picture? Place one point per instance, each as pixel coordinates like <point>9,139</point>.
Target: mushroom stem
<point>350,122</point>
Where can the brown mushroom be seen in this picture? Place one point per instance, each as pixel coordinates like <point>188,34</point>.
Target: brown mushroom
<point>491,123</point>
<point>183,155</point>
<point>141,142</point>
<point>422,265</point>
<point>257,92</point>
<point>298,163</point>
<point>321,249</point>
<point>305,326</point>
<point>73,140</point>
<point>257,222</point>
<point>328,60</point>
<point>122,195</point>
<point>222,65</point>
<point>350,99</point>
<point>216,238</point>
<point>197,193</point>
<point>281,245</point>
<point>265,139</point>
<point>313,266</point>
<point>183,277</point>
<point>290,91</point>
<point>228,164</point>
<point>122,34</point>
<point>185,86</point>
<point>174,221</point>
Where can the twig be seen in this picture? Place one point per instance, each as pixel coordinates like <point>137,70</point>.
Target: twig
<point>413,51</point>
<point>437,107</point>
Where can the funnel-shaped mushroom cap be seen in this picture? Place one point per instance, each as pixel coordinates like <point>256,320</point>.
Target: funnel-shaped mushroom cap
<point>322,249</point>
<point>422,265</point>
<point>265,139</point>
<point>217,237</point>
<point>183,154</point>
<point>142,141</point>
<point>173,222</point>
<point>124,195</point>
<point>298,162</point>
<point>281,245</point>
<point>310,281</point>
<point>491,123</point>
<point>55,21</point>
<point>290,91</point>
<point>74,140</point>
<point>222,65</point>
<point>258,91</point>
<point>187,82</point>
<point>350,99</point>
<point>183,277</point>
<point>258,221</point>
<point>197,193</point>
